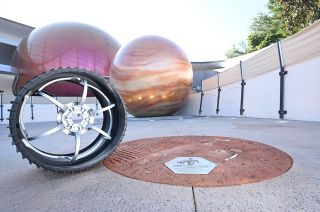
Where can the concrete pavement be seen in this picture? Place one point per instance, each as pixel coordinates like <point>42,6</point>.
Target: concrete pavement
<point>24,188</point>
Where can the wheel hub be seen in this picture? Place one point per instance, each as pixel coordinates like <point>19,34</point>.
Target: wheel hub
<point>76,118</point>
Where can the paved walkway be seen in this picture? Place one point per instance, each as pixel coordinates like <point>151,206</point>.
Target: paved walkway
<point>24,188</point>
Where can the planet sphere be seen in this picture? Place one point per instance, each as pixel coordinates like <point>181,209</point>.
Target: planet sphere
<point>62,45</point>
<point>153,75</point>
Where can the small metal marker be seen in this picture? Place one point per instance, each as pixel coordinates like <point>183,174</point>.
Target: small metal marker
<point>190,165</point>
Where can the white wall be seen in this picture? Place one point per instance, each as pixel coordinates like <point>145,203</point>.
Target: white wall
<point>191,106</point>
<point>261,99</point>
<point>262,96</point>
<point>209,103</point>
<point>302,92</point>
<point>230,100</point>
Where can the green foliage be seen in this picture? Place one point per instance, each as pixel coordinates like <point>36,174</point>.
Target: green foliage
<point>298,14</point>
<point>237,50</point>
<point>284,18</point>
<point>264,31</point>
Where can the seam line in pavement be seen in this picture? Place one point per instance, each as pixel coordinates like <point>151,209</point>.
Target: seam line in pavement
<point>194,200</point>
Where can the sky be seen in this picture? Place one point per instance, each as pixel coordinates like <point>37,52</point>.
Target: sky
<point>204,29</point>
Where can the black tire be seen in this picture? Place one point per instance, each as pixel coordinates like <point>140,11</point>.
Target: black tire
<point>101,147</point>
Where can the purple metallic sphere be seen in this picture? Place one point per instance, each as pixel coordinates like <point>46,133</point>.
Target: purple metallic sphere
<point>64,45</point>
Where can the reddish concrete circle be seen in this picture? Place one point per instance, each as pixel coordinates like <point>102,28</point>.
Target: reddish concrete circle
<point>144,160</point>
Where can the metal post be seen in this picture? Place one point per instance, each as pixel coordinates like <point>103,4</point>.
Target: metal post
<point>219,90</point>
<point>242,90</point>
<point>97,106</point>
<point>57,106</point>
<point>1,106</point>
<point>282,73</point>
<point>200,109</point>
<point>31,106</point>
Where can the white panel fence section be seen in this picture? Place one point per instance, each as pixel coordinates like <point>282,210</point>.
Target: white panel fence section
<point>301,99</point>
<point>302,93</point>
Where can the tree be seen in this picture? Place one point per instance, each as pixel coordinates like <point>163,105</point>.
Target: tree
<point>236,51</point>
<point>284,18</point>
<point>298,14</point>
<point>265,30</point>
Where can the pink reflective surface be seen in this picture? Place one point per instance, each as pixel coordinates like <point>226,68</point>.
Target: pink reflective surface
<point>64,45</point>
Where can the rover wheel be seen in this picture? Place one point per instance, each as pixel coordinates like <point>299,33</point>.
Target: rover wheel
<point>66,145</point>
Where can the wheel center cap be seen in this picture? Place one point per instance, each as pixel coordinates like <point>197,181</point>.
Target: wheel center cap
<point>76,118</point>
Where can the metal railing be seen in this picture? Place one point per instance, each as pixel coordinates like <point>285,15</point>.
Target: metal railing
<point>1,106</point>
<point>282,73</point>
<point>218,98</point>
<point>282,112</point>
<point>243,83</point>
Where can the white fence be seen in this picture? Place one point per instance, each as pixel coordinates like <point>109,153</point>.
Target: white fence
<point>301,58</point>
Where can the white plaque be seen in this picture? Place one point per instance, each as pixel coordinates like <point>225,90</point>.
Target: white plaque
<point>190,165</point>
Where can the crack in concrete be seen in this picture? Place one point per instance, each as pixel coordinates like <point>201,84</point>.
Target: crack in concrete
<point>194,200</point>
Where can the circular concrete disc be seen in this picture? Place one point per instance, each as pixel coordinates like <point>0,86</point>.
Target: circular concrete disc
<point>238,161</point>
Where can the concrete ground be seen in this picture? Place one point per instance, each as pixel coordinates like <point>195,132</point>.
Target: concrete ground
<point>24,188</point>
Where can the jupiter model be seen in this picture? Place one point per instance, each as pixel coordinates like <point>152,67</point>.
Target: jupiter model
<point>153,75</point>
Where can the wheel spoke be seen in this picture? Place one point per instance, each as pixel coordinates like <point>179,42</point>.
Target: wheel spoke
<point>105,108</point>
<point>49,132</point>
<point>77,147</point>
<point>85,92</point>
<point>106,135</point>
<point>53,100</point>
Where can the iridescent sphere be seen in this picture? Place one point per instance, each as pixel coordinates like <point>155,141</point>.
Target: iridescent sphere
<point>64,45</point>
<point>153,75</point>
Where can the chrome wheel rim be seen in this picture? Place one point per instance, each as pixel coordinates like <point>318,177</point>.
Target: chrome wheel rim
<point>67,124</point>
